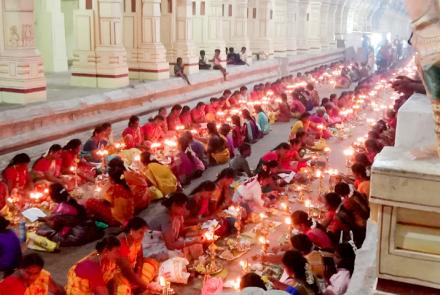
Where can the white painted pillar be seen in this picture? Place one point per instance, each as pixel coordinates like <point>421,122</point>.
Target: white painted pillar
<point>50,35</point>
<point>214,34</point>
<point>239,29</point>
<point>331,24</point>
<point>184,46</point>
<point>261,15</point>
<point>67,8</point>
<point>344,19</point>
<point>22,78</point>
<point>302,18</point>
<point>338,20</point>
<point>324,24</point>
<point>292,27</point>
<point>280,28</point>
<point>228,12</point>
<point>100,59</point>
<point>146,54</point>
<point>314,27</point>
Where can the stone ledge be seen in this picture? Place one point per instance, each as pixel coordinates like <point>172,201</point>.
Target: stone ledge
<point>39,124</point>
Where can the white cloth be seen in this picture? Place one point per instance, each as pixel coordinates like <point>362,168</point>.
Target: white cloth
<point>338,283</point>
<point>250,193</point>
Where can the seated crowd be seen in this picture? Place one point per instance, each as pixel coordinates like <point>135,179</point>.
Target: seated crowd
<point>128,175</point>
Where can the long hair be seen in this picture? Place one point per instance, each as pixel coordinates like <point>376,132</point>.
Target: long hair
<point>206,185</point>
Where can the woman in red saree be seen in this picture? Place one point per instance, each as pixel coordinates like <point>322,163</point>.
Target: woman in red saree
<point>73,166</point>
<point>185,117</point>
<point>152,131</point>
<point>198,113</point>
<point>48,167</point>
<point>16,175</point>
<point>173,119</point>
<point>132,135</point>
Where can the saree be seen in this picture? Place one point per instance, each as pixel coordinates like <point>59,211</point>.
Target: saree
<point>40,286</point>
<point>122,202</point>
<point>161,177</point>
<point>132,137</point>
<point>139,188</point>
<point>16,176</point>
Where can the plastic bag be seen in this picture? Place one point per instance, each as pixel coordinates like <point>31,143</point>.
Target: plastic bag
<point>174,270</point>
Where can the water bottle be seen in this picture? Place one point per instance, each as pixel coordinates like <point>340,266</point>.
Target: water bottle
<point>22,231</point>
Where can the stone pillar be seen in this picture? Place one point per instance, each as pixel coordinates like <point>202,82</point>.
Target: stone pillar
<point>22,76</point>
<point>302,25</point>
<point>100,59</point>
<point>314,27</point>
<point>324,21</point>
<point>214,37</point>
<point>183,46</point>
<point>261,15</point>
<point>239,36</point>
<point>292,28</point>
<point>338,20</point>
<point>50,35</point>
<point>344,20</point>
<point>331,24</point>
<point>280,28</point>
<point>146,54</point>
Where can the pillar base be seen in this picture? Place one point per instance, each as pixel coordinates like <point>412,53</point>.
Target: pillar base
<point>23,96</point>
<point>149,71</point>
<point>99,81</point>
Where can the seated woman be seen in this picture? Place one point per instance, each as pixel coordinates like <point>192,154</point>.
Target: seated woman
<point>222,196</point>
<point>68,224</point>
<point>134,273</point>
<point>10,255</point>
<point>16,175</point>
<point>237,131</point>
<point>319,118</point>
<point>337,219</point>
<point>173,119</point>
<point>186,165</point>
<point>333,113</point>
<point>202,197</point>
<point>284,113</point>
<point>252,280</point>
<point>345,256</point>
<point>362,180</point>
<point>262,119</point>
<point>239,164</point>
<point>225,132</point>
<point>373,148</point>
<point>48,167</point>
<point>278,154</point>
<point>75,167</point>
<point>94,144</point>
<point>217,150</point>
<point>93,274</point>
<point>302,222</point>
<point>132,135</point>
<point>302,124</point>
<point>197,147</point>
<point>170,223</point>
<point>293,155</point>
<point>30,278</point>
<point>198,114</point>
<point>152,131</point>
<point>297,107</point>
<point>158,175</point>
<point>301,279</point>
<point>118,205</point>
<point>250,129</point>
<point>185,117</point>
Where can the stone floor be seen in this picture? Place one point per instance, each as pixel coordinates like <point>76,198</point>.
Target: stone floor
<point>59,263</point>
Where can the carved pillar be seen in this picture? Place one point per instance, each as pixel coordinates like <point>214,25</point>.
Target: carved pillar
<point>314,27</point>
<point>214,34</point>
<point>184,46</point>
<point>344,20</point>
<point>324,17</point>
<point>338,20</point>
<point>22,76</point>
<point>146,54</point>
<point>331,24</point>
<point>100,59</point>
<point>50,35</point>
<point>302,25</point>
<point>280,28</point>
<point>292,27</point>
<point>261,15</point>
<point>239,37</point>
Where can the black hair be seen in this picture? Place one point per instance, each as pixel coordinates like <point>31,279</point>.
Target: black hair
<point>212,128</point>
<point>59,194</point>
<point>225,129</point>
<point>300,134</point>
<point>362,158</point>
<point>72,144</point>
<point>304,115</point>
<point>116,175</point>
<point>202,52</point>
<point>282,146</point>
<point>176,107</point>
<point>98,129</point>
<point>186,109</point>
<point>19,159</point>
<point>294,141</point>
<point>107,243</point>
<point>258,108</point>
<point>244,147</point>
<point>54,148</point>
<point>200,104</point>
<point>136,223</point>
<point>348,257</point>
<point>146,158</point>
<point>333,200</point>
<point>132,120</point>
<point>225,173</point>
<point>342,189</point>
<point>296,263</point>
<point>252,280</point>
<point>301,243</point>
<point>371,143</point>
<point>159,117</point>
<point>178,198</point>
<point>236,120</point>
<point>246,114</point>
<point>360,170</point>
<point>300,217</point>
<point>206,185</point>
<point>106,125</point>
<point>4,223</point>
<point>324,101</point>
<point>32,259</point>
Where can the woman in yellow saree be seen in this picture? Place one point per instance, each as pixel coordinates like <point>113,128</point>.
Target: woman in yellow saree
<point>134,272</point>
<point>159,175</point>
<point>93,274</point>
